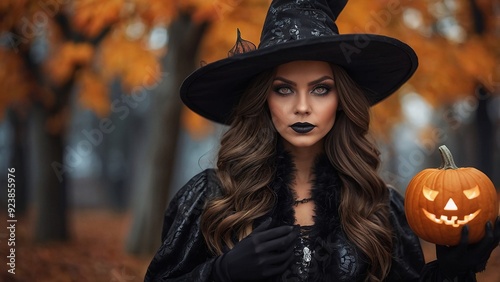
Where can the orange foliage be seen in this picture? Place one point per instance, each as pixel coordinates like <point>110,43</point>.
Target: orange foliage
<point>92,16</point>
<point>201,10</point>
<point>157,11</point>
<point>447,71</point>
<point>356,15</point>
<point>70,48</point>
<point>247,15</point>
<point>131,61</point>
<point>94,93</point>
<point>65,58</point>
<point>476,66</point>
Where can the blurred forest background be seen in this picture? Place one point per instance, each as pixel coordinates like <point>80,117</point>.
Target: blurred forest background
<point>91,120</point>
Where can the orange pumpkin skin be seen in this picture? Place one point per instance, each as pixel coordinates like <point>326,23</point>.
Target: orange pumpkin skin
<point>439,202</point>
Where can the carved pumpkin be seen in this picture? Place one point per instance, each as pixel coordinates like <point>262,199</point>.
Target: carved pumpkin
<point>439,202</point>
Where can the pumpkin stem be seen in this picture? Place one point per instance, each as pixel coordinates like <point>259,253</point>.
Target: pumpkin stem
<point>447,158</point>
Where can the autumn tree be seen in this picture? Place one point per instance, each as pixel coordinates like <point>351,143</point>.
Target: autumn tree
<point>56,49</point>
<point>51,50</point>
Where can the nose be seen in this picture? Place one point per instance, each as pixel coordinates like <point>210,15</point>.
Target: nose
<point>450,205</point>
<point>302,106</point>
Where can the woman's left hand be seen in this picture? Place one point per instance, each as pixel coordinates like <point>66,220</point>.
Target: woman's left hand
<point>466,257</point>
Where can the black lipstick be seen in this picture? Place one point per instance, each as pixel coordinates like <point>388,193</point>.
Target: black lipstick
<point>302,127</point>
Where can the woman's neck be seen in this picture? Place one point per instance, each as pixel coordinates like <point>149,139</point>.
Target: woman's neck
<point>303,165</point>
<point>304,160</point>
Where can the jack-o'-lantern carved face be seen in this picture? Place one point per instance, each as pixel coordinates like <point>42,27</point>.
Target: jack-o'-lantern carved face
<point>439,202</point>
<point>451,215</point>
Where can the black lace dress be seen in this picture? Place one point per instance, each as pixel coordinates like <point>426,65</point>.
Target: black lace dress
<point>303,253</point>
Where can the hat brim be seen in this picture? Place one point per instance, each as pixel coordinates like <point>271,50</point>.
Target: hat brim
<point>379,64</point>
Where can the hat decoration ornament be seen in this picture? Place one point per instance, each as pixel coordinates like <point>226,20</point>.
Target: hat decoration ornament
<point>241,46</point>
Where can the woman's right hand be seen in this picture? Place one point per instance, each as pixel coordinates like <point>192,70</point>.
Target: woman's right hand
<point>262,254</point>
<point>465,257</point>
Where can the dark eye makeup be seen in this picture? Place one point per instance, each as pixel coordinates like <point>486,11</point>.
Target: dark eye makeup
<point>286,89</point>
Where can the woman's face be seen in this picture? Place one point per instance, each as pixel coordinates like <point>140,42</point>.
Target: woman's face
<point>303,103</point>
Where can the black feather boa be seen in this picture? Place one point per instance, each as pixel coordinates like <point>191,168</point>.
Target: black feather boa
<point>326,189</point>
<point>331,246</point>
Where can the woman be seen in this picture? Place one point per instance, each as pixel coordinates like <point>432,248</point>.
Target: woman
<point>296,196</point>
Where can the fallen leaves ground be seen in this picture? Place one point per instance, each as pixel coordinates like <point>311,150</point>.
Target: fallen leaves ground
<point>96,253</point>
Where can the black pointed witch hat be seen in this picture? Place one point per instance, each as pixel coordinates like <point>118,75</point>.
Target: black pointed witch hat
<point>300,30</point>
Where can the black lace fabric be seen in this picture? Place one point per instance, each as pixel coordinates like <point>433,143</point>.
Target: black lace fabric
<point>241,46</point>
<point>303,253</point>
<point>296,20</point>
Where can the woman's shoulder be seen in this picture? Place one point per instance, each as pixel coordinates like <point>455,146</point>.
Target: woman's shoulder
<point>408,258</point>
<point>396,197</point>
<point>204,179</point>
<point>396,204</point>
<point>202,185</point>
<point>398,216</point>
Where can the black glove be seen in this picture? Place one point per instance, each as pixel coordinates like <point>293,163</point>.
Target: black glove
<point>464,258</point>
<point>262,254</point>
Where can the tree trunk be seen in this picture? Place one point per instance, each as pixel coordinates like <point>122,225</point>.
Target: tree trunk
<point>156,174</point>
<point>18,159</point>
<point>49,184</point>
<point>485,132</point>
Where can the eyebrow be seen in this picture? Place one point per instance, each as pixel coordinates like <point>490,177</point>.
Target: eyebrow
<point>321,79</point>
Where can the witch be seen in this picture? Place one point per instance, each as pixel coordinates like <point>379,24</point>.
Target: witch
<point>295,195</point>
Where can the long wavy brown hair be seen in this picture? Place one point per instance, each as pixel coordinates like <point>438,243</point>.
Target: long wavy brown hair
<point>245,169</point>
